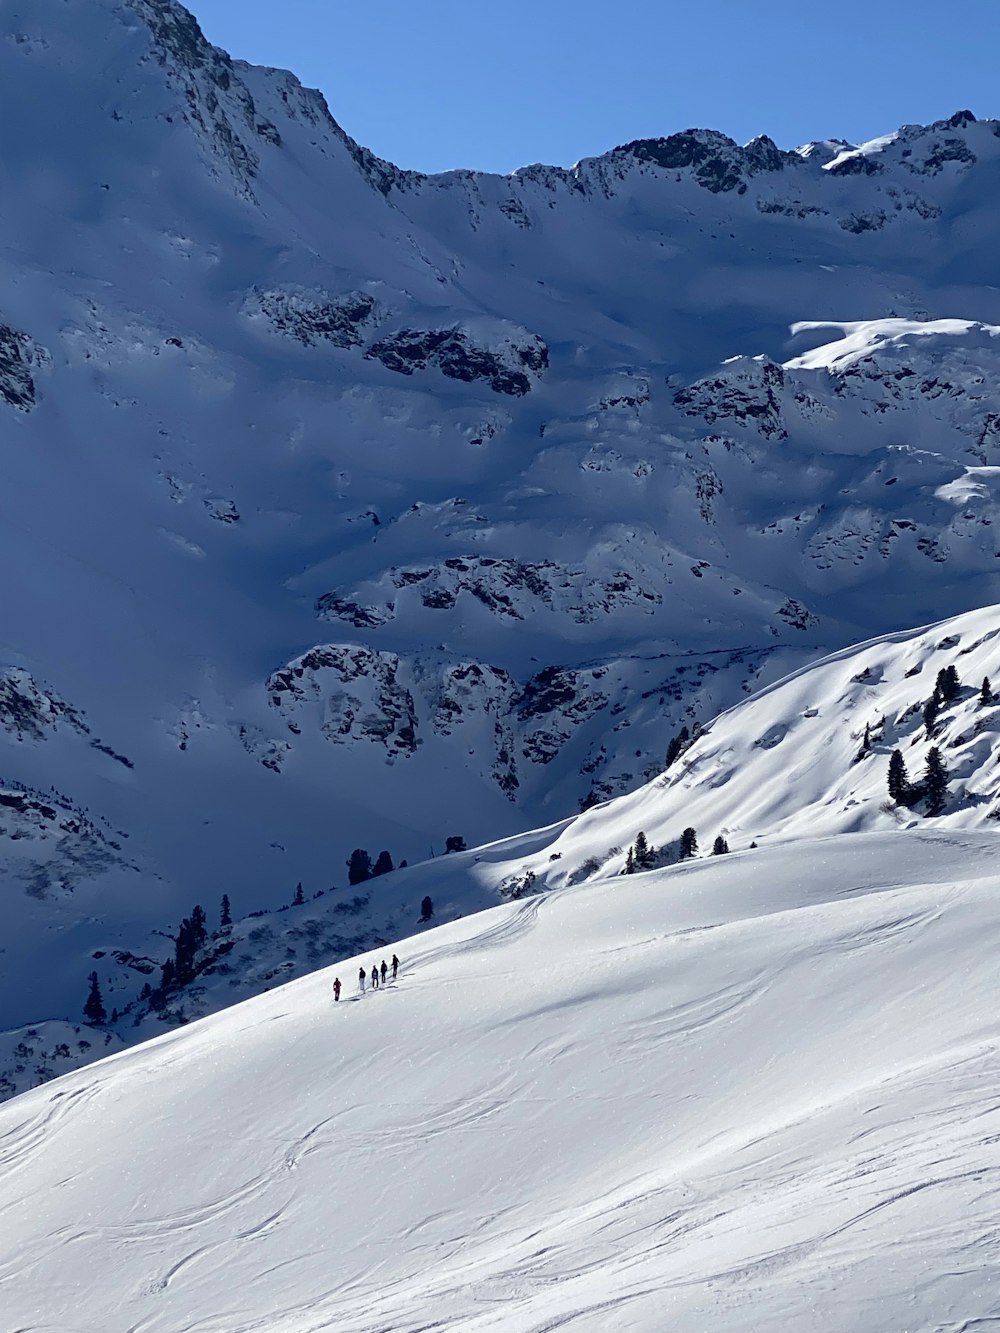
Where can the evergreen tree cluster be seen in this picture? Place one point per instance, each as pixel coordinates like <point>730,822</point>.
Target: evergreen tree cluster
<point>192,936</point>
<point>641,856</point>
<point>946,689</point>
<point>360,866</point>
<point>933,789</point>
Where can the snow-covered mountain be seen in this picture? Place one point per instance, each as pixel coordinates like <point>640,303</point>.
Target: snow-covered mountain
<point>350,507</point>
<point>753,1093</point>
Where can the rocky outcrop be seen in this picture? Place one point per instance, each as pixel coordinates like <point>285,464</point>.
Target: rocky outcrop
<point>746,393</point>
<point>30,711</point>
<point>715,161</point>
<point>19,356</point>
<point>511,589</point>
<point>356,692</point>
<point>313,317</point>
<point>505,356</point>
<point>216,103</point>
<point>50,846</point>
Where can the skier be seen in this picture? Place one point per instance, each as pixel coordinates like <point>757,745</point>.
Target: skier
<point>395,966</point>
<point>374,977</point>
<point>361,981</point>
<point>336,988</point>
<point>383,970</point>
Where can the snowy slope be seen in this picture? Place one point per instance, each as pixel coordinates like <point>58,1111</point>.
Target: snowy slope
<point>755,1093</point>
<point>354,507</point>
<point>803,758</point>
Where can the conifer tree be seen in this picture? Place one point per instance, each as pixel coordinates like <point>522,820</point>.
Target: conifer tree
<point>191,937</point>
<point>383,864</point>
<point>225,915</point>
<point>426,909</point>
<point>93,1009</point>
<point>947,684</point>
<point>898,780</point>
<point>199,926</point>
<point>931,709</point>
<point>688,844</point>
<point>935,783</point>
<point>720,847</point>
<point>456,843</point>
<point>645,856</point>
<point>300,897</point>
<point>677,746</point>
<point>359,867</point>
<point>986,693</point>
<point>630,862</point>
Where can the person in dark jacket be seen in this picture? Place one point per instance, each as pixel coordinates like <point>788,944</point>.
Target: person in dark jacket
<point>361,981</point>
<point>374,977</point>
<point>395,966</point>
<point>383,969</point>
<point>336,988</point>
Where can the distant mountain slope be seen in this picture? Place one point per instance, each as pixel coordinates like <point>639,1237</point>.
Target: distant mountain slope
<point>755,1093</point>
<point>351,507</point>
<point>809,757</point>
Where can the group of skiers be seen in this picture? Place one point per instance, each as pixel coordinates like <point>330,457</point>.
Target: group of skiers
<point>378,973</point>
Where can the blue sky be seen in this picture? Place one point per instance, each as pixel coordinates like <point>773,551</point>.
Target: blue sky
<point>464,83</point>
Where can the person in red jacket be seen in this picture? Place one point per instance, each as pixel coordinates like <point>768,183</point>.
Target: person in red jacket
<point>336,988</point>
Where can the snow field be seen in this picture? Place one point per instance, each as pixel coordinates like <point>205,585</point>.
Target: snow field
<point>755,1092</point>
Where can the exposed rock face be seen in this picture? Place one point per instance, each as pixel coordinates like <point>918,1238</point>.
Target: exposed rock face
<point>551,705</point>
<point>51,846</point>
<point>747,393</point>
<point>717,162</point>
<point>30,711</point>
<point>18,356</point>
<point>358,693</point>
<point>506,361</point>
<point>314,317</point>
<point>510,589</point>
<point>216,103</point>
